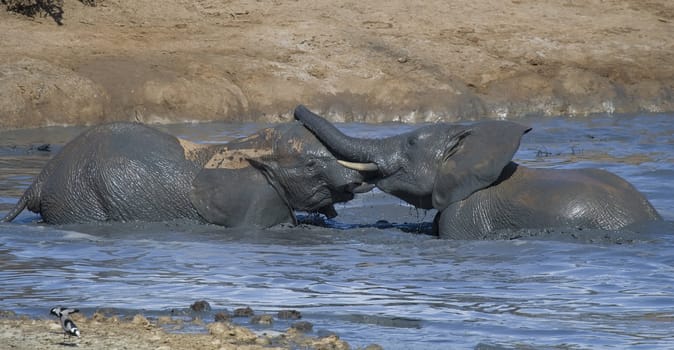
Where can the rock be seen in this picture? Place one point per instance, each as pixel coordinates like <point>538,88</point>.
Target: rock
<point>243,312</point>
<point>302,326</point>
<point>262,319</point>
<point>217,328</point>
<point>140,320</point>
<point>44,147</point>
<point>223,316</point>
<point>26,333</point>
<point>289,315</point>
<point>232,333</point>
<point>373,347</point>
<point>331,342</point>
<point>7,313</point>
<point>200,306</point>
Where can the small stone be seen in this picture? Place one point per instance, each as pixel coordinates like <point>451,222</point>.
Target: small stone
<point>330,342</point>
<point>200,306</point>
<point>44,147</point>
<point>244,312</point>
<point>217,328</point>
<point>7,313</point>
<point>140,320</point>
<point>262,319</point>
<point>223,316</point>
<point>302,326</point>
<point>289,315</point>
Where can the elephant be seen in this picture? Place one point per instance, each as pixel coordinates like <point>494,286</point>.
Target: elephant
<point>466,172</point>
<point>126,171</point>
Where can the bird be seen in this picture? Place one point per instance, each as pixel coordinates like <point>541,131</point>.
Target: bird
<point>69,327</point>
<point>59,311</point>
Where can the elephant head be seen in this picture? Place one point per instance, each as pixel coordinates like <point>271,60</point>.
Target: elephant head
<point>304,175</point>
<point>430,167</point>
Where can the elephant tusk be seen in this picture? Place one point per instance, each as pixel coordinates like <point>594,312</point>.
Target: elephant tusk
<point>359,166</point>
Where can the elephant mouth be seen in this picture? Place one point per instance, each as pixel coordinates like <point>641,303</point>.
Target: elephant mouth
<point>346,192</point>
<point>340,194</point>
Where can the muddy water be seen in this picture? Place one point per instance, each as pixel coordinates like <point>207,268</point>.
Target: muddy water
<point>372,283</point>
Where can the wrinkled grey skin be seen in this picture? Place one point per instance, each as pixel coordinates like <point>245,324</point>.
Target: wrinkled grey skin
<point>132,172</point>
<point>466,172</point>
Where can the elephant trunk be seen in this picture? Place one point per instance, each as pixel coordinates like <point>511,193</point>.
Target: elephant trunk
<point>346,148</point>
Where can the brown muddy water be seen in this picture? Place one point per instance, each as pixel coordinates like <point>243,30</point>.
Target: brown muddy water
<point>368,276</point>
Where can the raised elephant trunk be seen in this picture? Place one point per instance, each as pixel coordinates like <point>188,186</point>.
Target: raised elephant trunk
<point>352,151</point>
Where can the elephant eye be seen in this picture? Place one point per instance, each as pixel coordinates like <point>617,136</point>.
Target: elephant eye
<point>412,141</point>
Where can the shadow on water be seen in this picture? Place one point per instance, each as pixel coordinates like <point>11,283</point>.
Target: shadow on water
<point>374,274</point>
<point>409,227</point>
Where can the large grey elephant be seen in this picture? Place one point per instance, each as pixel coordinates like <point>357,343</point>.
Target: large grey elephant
<point>466,172</point>
<point>133,172</point>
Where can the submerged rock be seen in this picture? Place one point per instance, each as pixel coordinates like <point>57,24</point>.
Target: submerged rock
<point>244,312</point>
<point>222,316</point>
<point>200,306</point>
<point>302,326</point>
<point>289,315</point>
<point>262,319</point>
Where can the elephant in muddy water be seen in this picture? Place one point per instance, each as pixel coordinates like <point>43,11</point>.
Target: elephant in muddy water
<point>466,172</point>
<point>132,172</point>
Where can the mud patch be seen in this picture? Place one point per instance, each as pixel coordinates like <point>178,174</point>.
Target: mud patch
<point>375,62</point>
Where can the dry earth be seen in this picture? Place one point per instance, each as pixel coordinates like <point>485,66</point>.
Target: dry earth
<point>376,60</point>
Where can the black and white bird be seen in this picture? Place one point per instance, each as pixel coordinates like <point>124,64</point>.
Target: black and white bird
<point>69,327</point>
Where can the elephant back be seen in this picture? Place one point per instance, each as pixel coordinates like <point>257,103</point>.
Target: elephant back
<point>284,142</point>
<point>118,172</point>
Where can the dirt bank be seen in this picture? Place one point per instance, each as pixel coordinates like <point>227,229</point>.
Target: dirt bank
<point>377,60</point>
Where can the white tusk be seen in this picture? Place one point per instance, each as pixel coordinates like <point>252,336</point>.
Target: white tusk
<point>359,166</point>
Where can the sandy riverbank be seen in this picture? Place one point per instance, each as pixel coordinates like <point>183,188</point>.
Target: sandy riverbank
<point>107,332</point>
<point>373,61</point>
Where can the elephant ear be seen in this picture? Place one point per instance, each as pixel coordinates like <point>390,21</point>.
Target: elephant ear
<point>475,160</point>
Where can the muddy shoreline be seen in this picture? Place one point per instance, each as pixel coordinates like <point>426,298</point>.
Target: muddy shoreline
<point>376,61</point>
<point>192,330</point>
